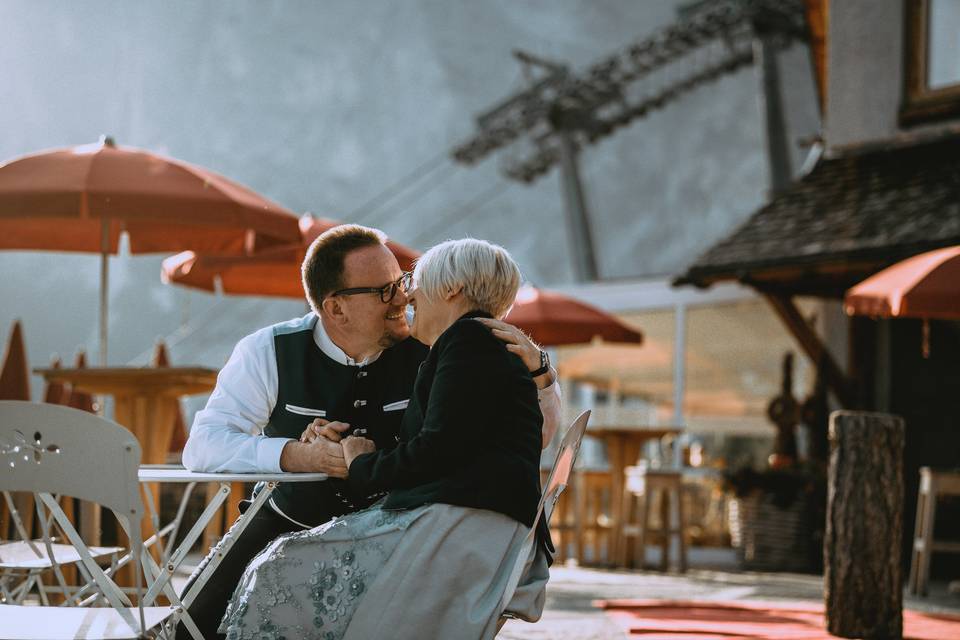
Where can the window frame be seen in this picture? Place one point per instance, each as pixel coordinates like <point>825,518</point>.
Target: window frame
<point>922,104</point>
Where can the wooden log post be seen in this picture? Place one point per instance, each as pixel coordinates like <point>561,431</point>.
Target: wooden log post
<point>862,574</point>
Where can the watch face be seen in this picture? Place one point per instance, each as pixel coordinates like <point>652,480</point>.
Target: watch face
<point>544,359</point>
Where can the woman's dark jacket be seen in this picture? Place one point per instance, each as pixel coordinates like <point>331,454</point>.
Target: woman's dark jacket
<point>471,435</point>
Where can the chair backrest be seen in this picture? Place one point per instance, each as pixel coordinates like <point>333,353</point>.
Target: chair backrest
<point>55,450</point>
<point>556,483</point>
<point>563,466</point>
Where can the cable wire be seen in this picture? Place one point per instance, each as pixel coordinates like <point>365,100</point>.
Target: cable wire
<point>458,215</point>
<point>370,207</point>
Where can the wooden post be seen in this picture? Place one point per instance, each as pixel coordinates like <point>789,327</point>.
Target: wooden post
<point>862,575</point>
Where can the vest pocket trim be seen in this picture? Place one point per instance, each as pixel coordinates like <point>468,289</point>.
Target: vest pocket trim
<point>305,411</point>
<point>396,406</point>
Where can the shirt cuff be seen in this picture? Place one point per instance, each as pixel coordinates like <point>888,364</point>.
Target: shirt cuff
<point>268,453</point>
<point>551,390</point>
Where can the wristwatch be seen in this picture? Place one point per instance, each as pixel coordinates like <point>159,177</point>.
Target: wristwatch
<point>544,365</point>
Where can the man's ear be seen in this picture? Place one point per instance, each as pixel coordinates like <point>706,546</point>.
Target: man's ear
<point>453,293</point>
<point>333,309</point>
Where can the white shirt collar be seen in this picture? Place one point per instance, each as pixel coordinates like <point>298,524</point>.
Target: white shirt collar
<point>334,352</point>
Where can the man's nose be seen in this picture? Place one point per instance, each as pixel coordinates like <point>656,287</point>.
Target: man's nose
<point>400,299</point>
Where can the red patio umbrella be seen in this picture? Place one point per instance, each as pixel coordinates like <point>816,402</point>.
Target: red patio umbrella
<point>82,198</point>
<point>925,286</point>
<point>271,273</point>
<point>15,373</point>
<point>553,319</point>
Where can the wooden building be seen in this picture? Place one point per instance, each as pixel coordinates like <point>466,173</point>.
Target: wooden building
<point>883,186</point>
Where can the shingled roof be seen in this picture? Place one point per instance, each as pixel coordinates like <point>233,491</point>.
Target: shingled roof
<point>849,217</point>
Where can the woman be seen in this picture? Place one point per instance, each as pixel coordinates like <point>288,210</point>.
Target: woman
<point>431,559</point>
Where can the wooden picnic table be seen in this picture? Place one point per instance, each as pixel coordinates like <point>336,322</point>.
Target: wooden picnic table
<point>145,402</point>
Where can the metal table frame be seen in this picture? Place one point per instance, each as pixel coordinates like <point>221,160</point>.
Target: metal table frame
<point>171,558</point>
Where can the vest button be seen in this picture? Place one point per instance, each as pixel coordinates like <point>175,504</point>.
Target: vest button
<point>361,374</point>
<point>359,403</point>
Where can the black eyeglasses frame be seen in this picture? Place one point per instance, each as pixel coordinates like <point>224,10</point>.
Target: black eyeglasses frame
<point>387,292</point>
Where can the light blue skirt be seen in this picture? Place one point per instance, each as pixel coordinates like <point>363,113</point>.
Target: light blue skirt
<point>437,571</point>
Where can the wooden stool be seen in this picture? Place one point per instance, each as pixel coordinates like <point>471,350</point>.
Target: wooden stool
<point>593,496</point>
<point>641,487</point>
<point>933,484</point>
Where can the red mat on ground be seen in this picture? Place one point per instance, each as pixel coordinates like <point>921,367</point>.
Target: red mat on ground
<point>719,620</point>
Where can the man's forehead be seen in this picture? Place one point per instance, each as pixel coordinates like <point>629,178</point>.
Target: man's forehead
<point>370,266</point>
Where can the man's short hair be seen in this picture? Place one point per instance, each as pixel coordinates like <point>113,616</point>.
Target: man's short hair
<point>322,269</point>
<point>488,275</point>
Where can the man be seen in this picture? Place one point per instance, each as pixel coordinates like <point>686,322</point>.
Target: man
<point>349,365</point>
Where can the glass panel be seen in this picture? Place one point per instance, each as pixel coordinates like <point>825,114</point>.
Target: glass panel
<point>943,44</point>
<point>733,366</point>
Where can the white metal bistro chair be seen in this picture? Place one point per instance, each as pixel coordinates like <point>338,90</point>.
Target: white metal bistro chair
<point>556,483</point>
<point>54,450</point>
<point>25,560</point>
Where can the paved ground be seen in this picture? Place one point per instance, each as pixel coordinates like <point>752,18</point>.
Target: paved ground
<point>570,614</point>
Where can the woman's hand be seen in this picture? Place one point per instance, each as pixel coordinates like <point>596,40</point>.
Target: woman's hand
<point>354,446</point>
<point>523,346</point>
<point>324,428</point>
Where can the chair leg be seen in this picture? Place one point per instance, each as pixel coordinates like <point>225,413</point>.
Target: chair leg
<point>913,582</point>
<point>626,500</point>
<point>665,529</point>
<point>563,514</point>
<point>645,528</point>
<point>639,544</point>
<point>929,513</point>
<point>682,529</point>
<point>579,514</point>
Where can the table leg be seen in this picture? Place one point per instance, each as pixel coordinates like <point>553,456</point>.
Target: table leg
<point>180,553</point>
<point>227,543</point>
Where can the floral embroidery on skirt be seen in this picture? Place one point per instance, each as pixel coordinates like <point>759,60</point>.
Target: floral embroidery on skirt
<point>308,584</point>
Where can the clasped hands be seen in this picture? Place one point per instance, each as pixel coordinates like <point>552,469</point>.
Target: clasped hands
<point>335,453</point>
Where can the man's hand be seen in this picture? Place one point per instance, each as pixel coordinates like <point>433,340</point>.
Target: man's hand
<point>520,343</point>
<point>319,456</point>
<point>353,446</point>
<point>321,428</point>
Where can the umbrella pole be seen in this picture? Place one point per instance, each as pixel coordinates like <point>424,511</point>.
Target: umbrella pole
<point>104,285</point>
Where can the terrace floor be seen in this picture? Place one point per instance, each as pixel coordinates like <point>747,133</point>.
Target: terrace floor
<point>570,613</point>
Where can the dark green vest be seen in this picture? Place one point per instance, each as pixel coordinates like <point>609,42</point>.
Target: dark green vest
<point>311,385</point>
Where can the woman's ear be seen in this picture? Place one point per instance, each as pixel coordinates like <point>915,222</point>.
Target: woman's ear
<point>453,293</point>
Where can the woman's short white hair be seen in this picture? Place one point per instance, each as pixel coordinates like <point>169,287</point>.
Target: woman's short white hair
<point>487,274</point>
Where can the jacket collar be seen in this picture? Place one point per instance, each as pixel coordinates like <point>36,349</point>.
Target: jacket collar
<point>476,313</point>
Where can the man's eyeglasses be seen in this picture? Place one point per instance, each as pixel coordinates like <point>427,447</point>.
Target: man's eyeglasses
<point>387,292</point>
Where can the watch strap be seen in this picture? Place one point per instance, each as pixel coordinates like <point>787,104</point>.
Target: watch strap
<point>544,365</point>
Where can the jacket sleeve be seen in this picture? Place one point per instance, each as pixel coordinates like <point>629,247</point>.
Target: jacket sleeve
<point>551,406</point>
<point>469,368</point>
